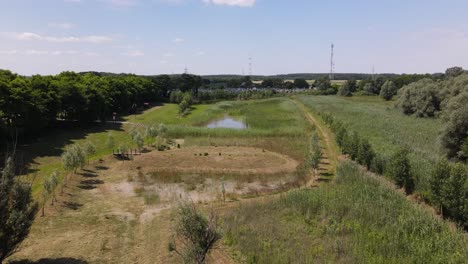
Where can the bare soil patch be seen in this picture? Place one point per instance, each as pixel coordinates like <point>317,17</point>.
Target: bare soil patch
<point>215,159</point>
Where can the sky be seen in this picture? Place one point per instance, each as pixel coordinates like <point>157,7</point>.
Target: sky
<point>219,36</point>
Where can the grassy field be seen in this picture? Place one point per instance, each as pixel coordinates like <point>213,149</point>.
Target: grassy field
<point>121,211</point>
<point>118,204</point>
<point>386,128</point>
<point>356,219</point>
<point>277,117</point>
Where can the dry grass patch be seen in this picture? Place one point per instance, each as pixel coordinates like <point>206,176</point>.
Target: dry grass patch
<point>215,159</point>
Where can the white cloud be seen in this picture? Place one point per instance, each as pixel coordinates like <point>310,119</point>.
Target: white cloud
<point>61,25</point>
<point>89,53</point>
<point>36,52</point>
<point>64,52</point>
<point>163,61</point>
<point>121,3</point>
<point>178,40</point>
<point>201,53</point>
<point>28,36</point>
<point>133,53</point>
<point>8,52</point>
<point>241,3</point>
<point>168,54</point>
<point>72,1</point>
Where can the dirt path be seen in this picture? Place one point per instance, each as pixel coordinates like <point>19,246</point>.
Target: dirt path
<point>330,150</point>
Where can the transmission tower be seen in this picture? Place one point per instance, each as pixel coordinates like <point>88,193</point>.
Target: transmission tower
<point>185,70</point>
<point>332,63</point>
<point>250,66</point>
<point>373,72</point>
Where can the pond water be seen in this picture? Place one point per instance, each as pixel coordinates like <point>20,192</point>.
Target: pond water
<point>227,122</point>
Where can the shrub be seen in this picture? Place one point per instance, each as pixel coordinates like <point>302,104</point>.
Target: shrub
<point>197,234</point>
<point>400,171</point>
<point>388,90</point>
<point>17,210</point>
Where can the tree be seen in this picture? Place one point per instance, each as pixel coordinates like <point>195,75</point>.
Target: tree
<point>197,234</point>
<point>162,130</point>
<point>301,83</point>
<point>420,98</point>
<point>17,210</point>
<point>344,90</point>
<point>323,83</point>
<point>388,90</point>
<point>139,141</point>
<point>455,194</point>
<point>316,154</point>
<point>46,192</point>
<point>439,177</point>
<point>369,89</point>
<point>89,149</point>
<point>110,142</point>
<point>151,131</point>
<point>454,72</point>
<point>73,158</point>
<point>365,153</point>
<point>455,131</point>
<point>399,169</point>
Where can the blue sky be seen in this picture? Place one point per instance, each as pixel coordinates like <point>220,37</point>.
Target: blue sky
<point>218,36</point>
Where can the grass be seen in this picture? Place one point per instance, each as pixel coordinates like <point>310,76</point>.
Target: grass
<point>386,128</point>
<point>357,219</point>
<point>265,118</point>
<point>278,117</point>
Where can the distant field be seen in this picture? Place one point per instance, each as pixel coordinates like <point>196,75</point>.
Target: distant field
<point>386,128</point>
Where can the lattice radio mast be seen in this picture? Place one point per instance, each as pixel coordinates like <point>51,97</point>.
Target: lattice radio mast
<point>250,66</point>
<point>332,63</point>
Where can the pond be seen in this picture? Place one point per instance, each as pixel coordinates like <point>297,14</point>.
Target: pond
<point>227,122</point>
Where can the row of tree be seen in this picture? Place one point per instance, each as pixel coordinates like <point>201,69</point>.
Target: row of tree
<point>32,103</point>
<point>448,183</point>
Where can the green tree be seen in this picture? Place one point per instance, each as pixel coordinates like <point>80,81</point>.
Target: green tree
<point>316,154</point>
<point>323,83</point>
<point>388,90</point>
<point>89,149</point>
<point>110,141</point>
<point>454,72</point>
<point>399,169</point>
<point>151,132</point>
<point>344,90</point>
<point>439,177</point>
<point>196,233</point>
<point>162,130</point>
<point>17,210</point>
<point>455,194</point>
<point>301,83</point>
<point>47,189</point>
<point>139,141</point>
<point>455,130</point>
<point>365,153</point>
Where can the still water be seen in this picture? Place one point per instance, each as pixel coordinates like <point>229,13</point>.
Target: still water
<point>227,122</point>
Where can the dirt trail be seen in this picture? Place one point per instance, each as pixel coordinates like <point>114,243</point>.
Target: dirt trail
<point>329,148</point>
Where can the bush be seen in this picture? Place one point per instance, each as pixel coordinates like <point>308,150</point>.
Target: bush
<point>388,90</point>
<point>17,210</point>
<point>197,234</point>
<point>400,171</point>
<point>420,98</point>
